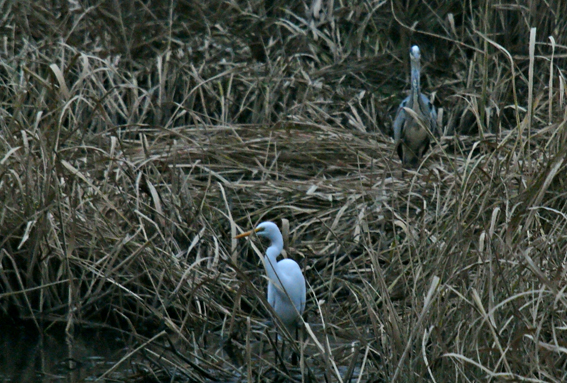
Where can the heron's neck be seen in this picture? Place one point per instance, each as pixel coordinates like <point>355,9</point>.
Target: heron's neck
<point>415,83</point>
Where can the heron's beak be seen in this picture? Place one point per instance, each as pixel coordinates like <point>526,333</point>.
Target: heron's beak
<point>246,234</point>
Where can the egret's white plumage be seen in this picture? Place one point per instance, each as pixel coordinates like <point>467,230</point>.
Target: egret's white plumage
<point>286,284</point>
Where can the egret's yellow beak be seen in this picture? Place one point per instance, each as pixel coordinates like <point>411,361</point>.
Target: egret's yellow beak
<point>246,234</point>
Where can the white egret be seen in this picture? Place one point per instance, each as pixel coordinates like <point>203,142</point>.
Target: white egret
<point>286,284</point>
<point>412,140</point>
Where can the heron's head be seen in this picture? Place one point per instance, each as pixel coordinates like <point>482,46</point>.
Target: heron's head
<point>415,55</point>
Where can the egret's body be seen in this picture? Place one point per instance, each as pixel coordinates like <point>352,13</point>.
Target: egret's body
<point>286,284</point>
<point>411,136</point>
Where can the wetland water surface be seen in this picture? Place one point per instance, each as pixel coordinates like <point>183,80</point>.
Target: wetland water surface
<point>26,356</point>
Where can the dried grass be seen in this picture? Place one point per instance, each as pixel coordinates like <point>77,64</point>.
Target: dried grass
<point>137,140</point>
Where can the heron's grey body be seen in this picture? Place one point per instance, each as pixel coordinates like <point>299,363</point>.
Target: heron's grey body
<point>412,136</point>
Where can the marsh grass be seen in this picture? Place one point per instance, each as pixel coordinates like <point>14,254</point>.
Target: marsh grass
<point>136,140</point>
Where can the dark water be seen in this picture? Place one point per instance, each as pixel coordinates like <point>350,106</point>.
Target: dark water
<point>27,356</point>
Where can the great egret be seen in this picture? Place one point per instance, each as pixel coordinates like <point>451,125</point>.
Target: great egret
<point>412,140</point>
<point>286,284</point>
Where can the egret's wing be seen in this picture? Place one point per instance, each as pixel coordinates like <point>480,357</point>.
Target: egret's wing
<point>272,295</point>
<point>301,307</point>
<point>294,283</point>
<point>299,293</point>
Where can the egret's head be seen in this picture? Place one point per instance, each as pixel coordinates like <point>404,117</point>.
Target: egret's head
<point>266,229</point>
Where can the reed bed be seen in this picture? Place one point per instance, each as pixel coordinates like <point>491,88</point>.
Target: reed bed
<point>137,139</point>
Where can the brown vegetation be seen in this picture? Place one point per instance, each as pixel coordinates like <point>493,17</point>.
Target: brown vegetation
<point>138,138</point>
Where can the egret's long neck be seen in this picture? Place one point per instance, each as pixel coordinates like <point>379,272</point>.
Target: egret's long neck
<point>270,261</point>
<point>415,82</point>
